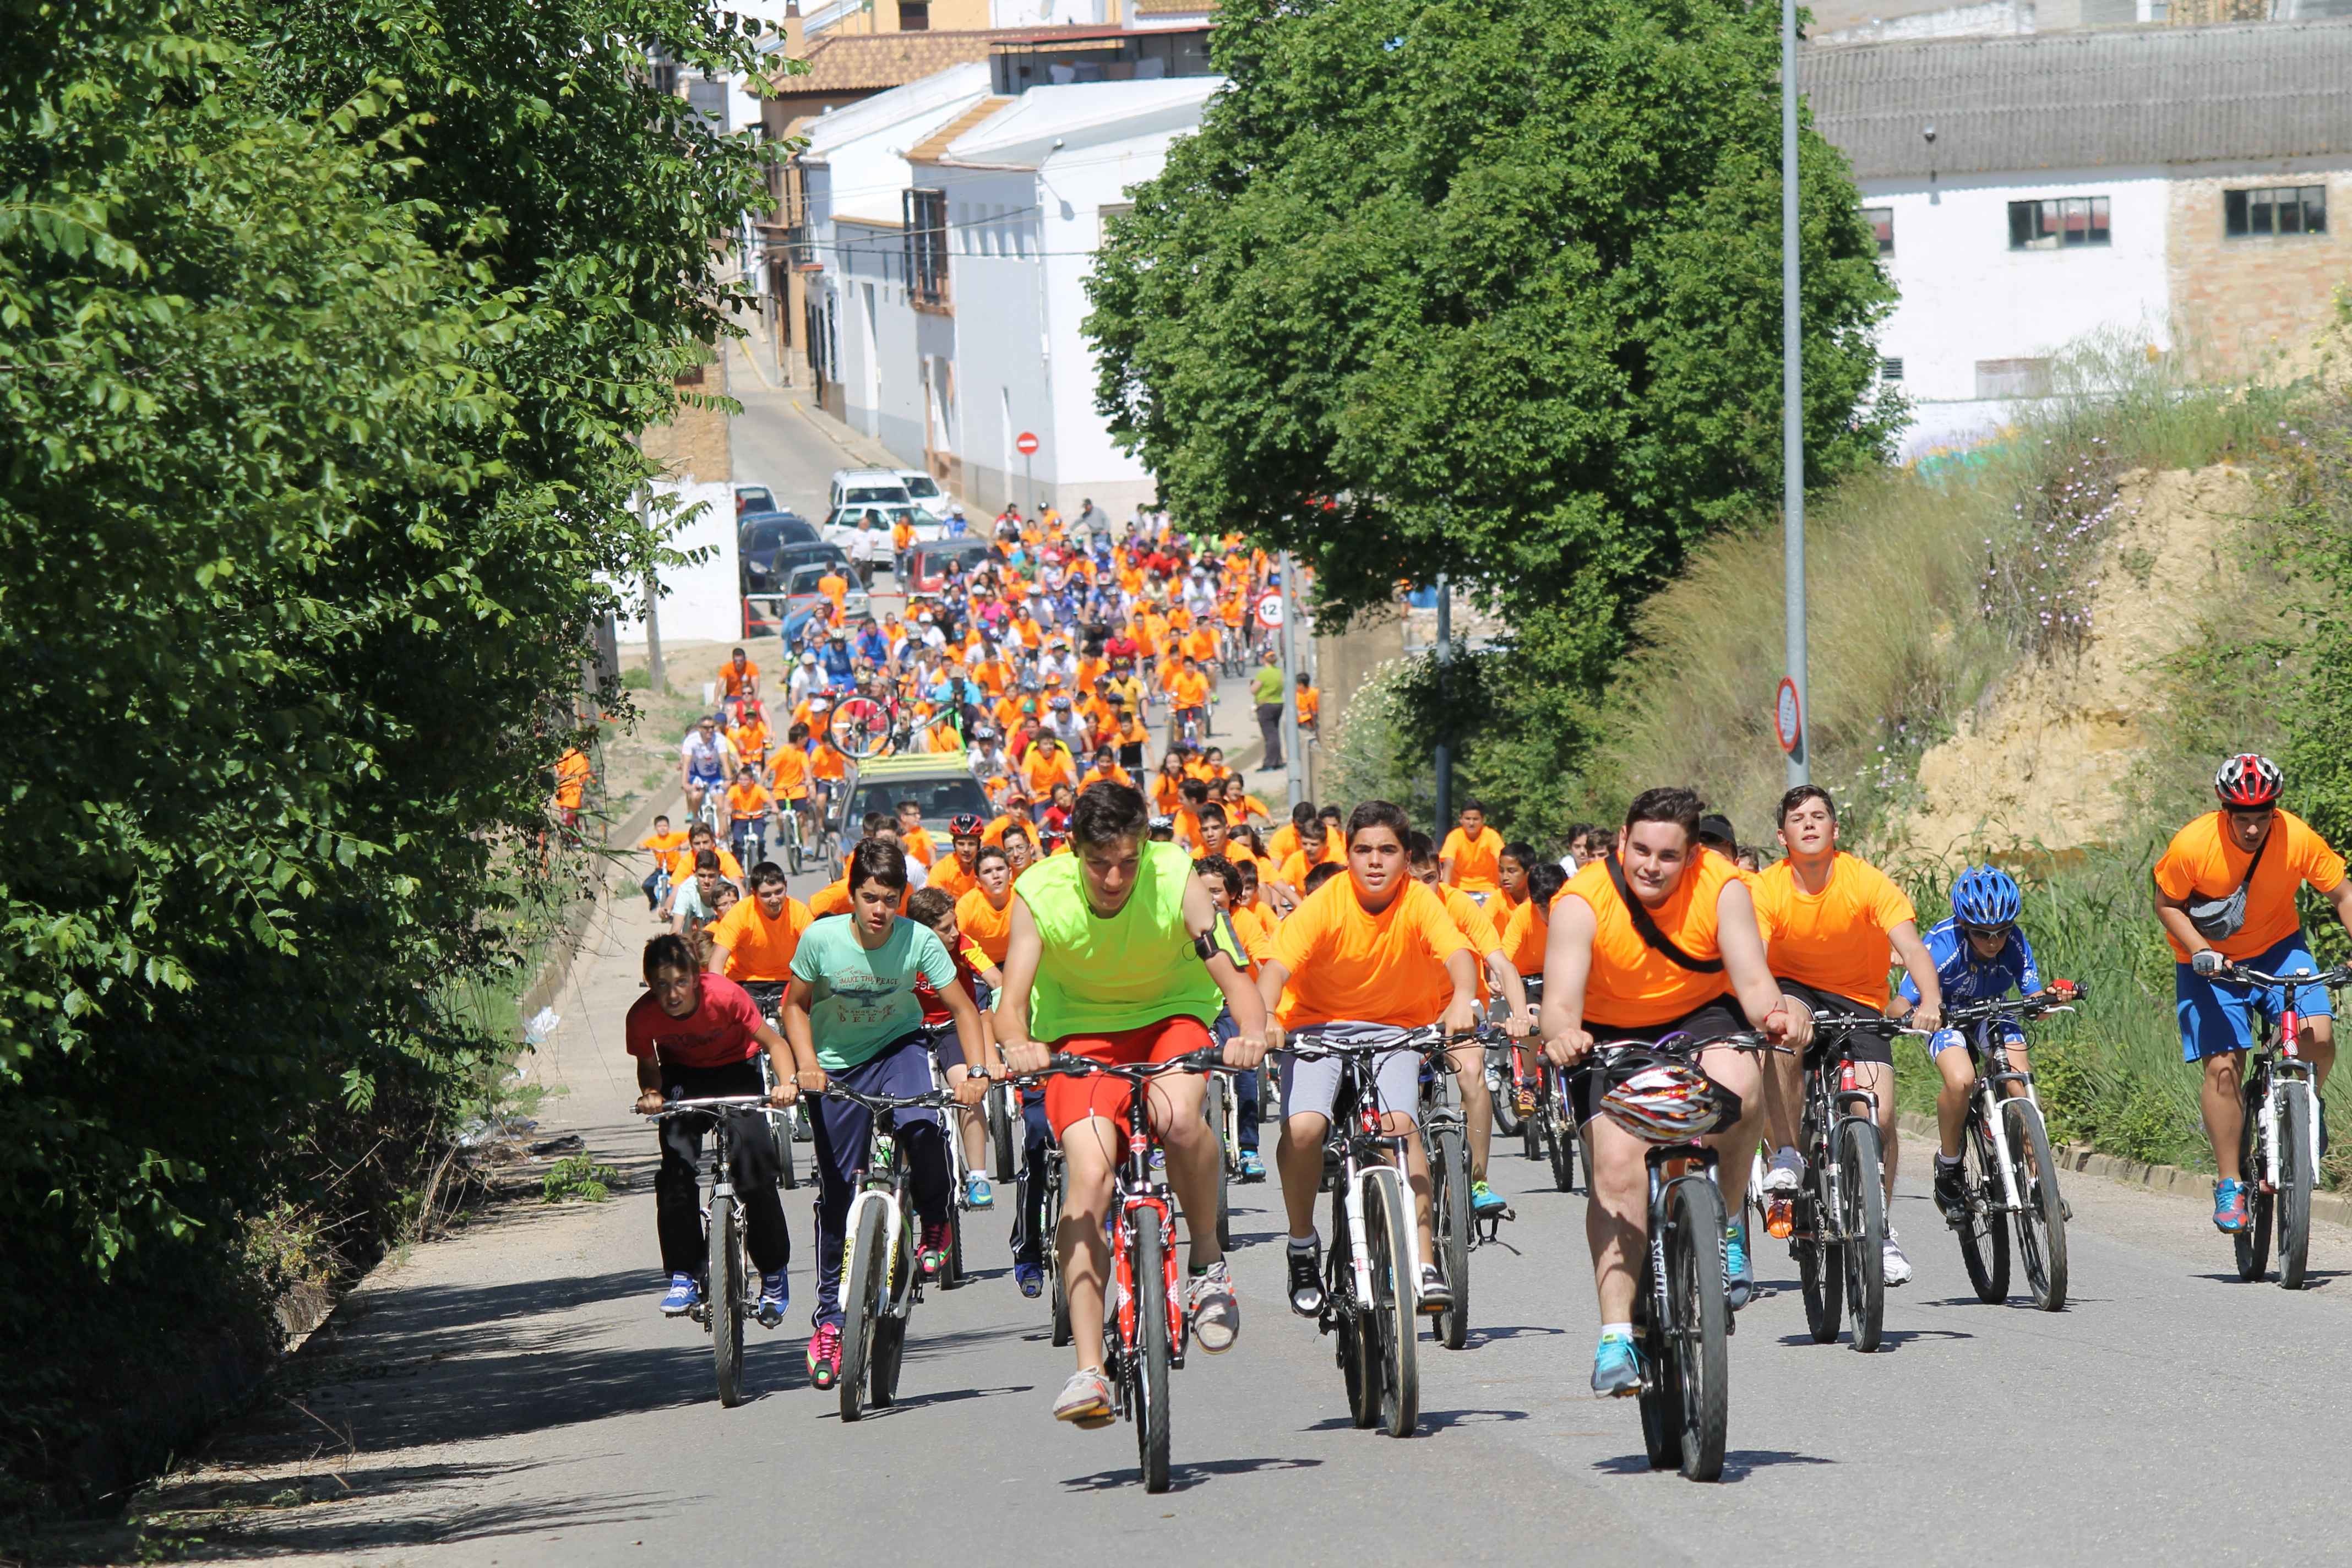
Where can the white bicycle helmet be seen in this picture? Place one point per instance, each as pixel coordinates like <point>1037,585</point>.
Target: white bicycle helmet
<point>1670,1103</point>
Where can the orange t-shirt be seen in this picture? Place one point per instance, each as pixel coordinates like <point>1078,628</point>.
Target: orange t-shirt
<point>759,948</point>
<point>1475,927</point>
<point>1477,862</point>
<point>1256,934</point>
<point>1283,843</point>
<point>1045,771</point>
<point>661,845</point>
<point>1114,774</point>
<point>748,800</point>
<point>2201,863</point>
<point>826,762</point>
<point>1834,941</point>
<point>733,681</point>
<point>681,864</point>
<point>1190,687</point>
<point>791,773</point>
<point>1295,870</point>
<point>1310,706</point>
<point>984,925</point>
<point>833,899</point>
<point>1524,935</point>
<point>1350,965</point>
<point>571,770</point>
<point>949,876</point>
<point>1631,985</point>
<point>921,847</point>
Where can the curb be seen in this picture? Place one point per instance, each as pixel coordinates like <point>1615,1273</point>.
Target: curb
<point>2173,1181</point>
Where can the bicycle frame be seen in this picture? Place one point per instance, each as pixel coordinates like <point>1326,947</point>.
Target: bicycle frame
<point>2280,1069</point>
<point>1655,1159</point>
<point>1830,1109</point>
<point>720,1167</point>
<point>1134,1190</point>
<point>1364,1150</point>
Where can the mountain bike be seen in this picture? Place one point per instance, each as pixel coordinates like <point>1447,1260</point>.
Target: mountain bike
<point>868,724</point>
<point>1840,1216</point>
<point>880,1284</point>
<point>953,1275</point>
<point>767,996</point>
<point>1371,1276</point>
<point>2008,1171</point>
<point>2280,1145</point>
<point>750,836</point>
<point>789,838</point>
<point>727,1300</point>
<point>1547,1127</point>
<point>1144,1325</point>
<point>1456,1228</point>
<point>1223,1108</point>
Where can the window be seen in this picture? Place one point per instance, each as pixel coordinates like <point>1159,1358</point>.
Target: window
<point>708,99</point>
<point>2282,209</point>
<point>1882,223</point>
<point>2068,221</point>
<point>927,247</point>
<point>1891,369</point>
<point>2012,378</point>
<point>914,16</point>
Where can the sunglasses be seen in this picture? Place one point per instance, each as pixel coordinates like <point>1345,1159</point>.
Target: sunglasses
<point>1985,934</point>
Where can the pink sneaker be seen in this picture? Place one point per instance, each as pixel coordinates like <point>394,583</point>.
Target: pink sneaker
<point>824,1356</point>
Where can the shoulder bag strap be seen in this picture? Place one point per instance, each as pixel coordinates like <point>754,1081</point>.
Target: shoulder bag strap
<point>1647,927</point>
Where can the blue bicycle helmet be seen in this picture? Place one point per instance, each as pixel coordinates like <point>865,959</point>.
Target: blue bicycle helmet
<point>1986,896</point>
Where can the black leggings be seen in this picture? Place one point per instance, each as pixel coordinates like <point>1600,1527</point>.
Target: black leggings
<point>677,1184</point>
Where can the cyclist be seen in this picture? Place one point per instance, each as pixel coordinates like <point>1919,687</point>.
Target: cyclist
<point>704,762</point>
<point>1511,867</point>
<point>1116,953</point>
<point>929,907</point>
<point>1472,856</point>
<point>1657,938</point>
<point>748,807</point>
<point>851,1012</point>
<point>663,842</point>
<point>1255,942</point>
<point>2225,894</point>
<point>750,737</point>
<point>695,1037</point>
<point>739,680</point>
<point>953,873</point>
<point>1188,693</point>
<point>1829,920</point>
<point>1980,953</point>
<point>693,901</point>
<point>1469,1060</point>
<point>1368,956</point>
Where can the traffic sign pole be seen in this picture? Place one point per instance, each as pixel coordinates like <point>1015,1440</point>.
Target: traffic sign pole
<point>1792,403</point>
<point>1294,766</point>
<point>1026,445</point>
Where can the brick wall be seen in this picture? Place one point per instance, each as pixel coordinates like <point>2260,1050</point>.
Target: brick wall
<point>2239,303</point>
<point>693,447</point>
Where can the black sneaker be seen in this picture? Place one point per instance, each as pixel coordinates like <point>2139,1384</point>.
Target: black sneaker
<point>1306,1278</point>
<point>1951,1197</point>
<point>1436,1295</point>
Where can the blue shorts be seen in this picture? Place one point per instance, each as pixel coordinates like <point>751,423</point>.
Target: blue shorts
<point>2003,1030</point>
<point>2217,1015</point>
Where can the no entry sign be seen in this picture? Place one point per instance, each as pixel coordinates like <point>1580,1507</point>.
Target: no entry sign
<point>1026,443</point>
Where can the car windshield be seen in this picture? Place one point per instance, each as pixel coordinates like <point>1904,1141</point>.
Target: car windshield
<point>875,495</point>
<point>940,798</point>
<point>805,579</point>
<point>772,531</point>
<point>923,486</point>
<point>966,552</point>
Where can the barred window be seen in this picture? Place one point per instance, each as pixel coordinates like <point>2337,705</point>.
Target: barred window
<point>2065,222</point>
<point>2277,209</point>
<point>926,215</point>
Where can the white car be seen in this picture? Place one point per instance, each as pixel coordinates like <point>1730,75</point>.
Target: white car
<point>868,487</point>
<point>925,491</point>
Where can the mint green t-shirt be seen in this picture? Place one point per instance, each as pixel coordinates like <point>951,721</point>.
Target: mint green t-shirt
<point>865,998</point>
<point>1265,686</point>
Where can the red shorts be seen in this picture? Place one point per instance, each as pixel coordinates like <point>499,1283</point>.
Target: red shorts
<point>1070,1100</point>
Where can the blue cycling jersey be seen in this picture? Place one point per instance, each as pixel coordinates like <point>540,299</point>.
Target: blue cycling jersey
<point>1967,978</point>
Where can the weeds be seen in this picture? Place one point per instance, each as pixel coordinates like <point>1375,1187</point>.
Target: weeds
<point>578,1176</point>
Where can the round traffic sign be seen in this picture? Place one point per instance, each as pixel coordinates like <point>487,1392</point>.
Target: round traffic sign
<point>1786,721</point>
<point>1026,443</point>
<point>1268,611</point>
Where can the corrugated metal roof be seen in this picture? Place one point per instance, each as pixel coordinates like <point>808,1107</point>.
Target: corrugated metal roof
<point>2074,101</point>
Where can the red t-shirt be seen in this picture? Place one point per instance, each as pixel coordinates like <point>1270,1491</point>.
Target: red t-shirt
<point>936,1011</point>
<point>716,1034</point>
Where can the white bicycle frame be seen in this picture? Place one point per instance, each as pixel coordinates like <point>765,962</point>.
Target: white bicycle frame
<point>2297,1081</point>
<point>1995,1105</point>
<point>896,1305</point>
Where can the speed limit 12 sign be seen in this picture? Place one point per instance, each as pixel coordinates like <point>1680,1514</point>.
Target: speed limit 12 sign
<point>1269,612</point>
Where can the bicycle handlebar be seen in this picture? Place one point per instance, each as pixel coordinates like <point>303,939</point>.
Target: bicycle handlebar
<point>1208,1058</point>
<point>932,1099</point>
<point>2334,978</point>
<point>2033,1006</point>
<point>716,1102</point>
<point>1826,1022</point>
<point>1426,1040</point>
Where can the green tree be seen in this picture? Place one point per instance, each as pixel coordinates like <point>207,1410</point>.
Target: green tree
<point>1488,288</point>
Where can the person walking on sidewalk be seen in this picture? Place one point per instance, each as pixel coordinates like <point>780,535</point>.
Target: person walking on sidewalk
<point>1265,691</point>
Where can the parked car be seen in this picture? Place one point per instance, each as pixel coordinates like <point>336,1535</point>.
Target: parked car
<point>750,499</point>
<point>925,491</point>
<point>939,782</point>
<point>802,598</point>
<point>869,486</point>
<point>757,537</point>
<point>929,569</point>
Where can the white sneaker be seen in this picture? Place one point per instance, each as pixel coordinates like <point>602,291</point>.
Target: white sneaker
<point>1896,1267</point>
<point>1786,1174</point>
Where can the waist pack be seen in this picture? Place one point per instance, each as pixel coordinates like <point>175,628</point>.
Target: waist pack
<point>2217,919</point>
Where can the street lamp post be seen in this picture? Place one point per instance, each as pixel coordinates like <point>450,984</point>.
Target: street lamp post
<point>1792,405</point>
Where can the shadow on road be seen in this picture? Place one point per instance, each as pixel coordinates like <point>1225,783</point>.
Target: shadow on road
<point>1889,1339</point>
<point>1183,1478</point>
<point>1510,1331</point>
<point>1737,1464</point>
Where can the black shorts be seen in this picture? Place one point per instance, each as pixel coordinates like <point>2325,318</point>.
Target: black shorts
<point>1711,1021</point>
<point>1861,1048</point>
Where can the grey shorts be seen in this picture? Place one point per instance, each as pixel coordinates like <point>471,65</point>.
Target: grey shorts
<point>1310,1088</point>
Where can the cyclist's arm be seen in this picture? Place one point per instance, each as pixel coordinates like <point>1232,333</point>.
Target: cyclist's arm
<point>1461,1014</point>
<point>1568,965</point>
<point>1920,967</point>
<point>2172,914</point>
<point>971,1032</point>
<point>1012,1011</point>
<point>798,1037</point>
<point>1445,871</point>
<point>1751,977</point>
<point>2339,899</point>
<point>1506,976</point>
<point>780,1056</point>
<point>717,957</point>
<point>1242,999</point>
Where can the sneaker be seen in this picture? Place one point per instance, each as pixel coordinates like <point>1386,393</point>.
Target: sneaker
<point>1031,1277</point>
<point>1158,1159</point>
<point>1084,1400</point>
<point>1786,1174</point>
<point>683,1296</point>
<point>1306,1278</point>
<point>1436,1295</point>
<point>977,1192</point>
<point>2228,1208</point>
<point>1616,1368</point>
<point>931,1253</point>
<point>824,1356</point>
<point>1253,1169</point>
<point>1739,1276</point>
<point>1523,1100</point>
<point>1485,1200</point>
<point>1951,1195</point>
<point>1209,1301</point>
<point>775,1295</point>
<point>1895,1268</point>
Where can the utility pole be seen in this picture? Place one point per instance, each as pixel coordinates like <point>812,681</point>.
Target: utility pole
<point>656,677</point>
<point>1793,405</point>
<point>1444,661</point>
<point>1294,766</point>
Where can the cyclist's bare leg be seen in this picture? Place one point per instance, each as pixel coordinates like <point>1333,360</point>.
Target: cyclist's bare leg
<point>1089,1148</point>
<point>1299,1157</point>
<point>1784,1097</point>
<point>2317,1040</point>
<point>1959,1072</point>
<point>1616,1216</point>
<point>1193,1158</point>
<point>2225,1114</point>
<point>1469,1063</point>
<point>1878,1078</point>
<point>1740,1072</point>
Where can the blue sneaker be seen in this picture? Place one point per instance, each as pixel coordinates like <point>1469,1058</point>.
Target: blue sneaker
<point>1739,1276</point>
<point>977,1192</point>
<point>1031,1277</point>
<point>775,1295</point>
<point>2229,1207</point>
<point>1616,1368</point>
<point>1253,1168</point>
<point>684,1296</point>
<point>1485,1200</point>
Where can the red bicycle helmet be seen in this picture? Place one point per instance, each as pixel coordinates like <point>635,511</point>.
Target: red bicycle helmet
<point>2247,780</point>
<point>964,824</point>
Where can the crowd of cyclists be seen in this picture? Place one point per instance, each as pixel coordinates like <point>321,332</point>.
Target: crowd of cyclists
<point>1119,915</point>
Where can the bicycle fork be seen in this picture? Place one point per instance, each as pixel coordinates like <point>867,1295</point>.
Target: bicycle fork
<point>889,1199</point>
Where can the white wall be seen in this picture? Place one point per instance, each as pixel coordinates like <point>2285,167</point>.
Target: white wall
<point>1967,297</point>
<point>701,602</point>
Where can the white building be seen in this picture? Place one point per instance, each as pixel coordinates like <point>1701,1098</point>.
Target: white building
<point>2185,190</point>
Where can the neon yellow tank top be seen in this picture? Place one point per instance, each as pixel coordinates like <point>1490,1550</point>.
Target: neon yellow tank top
<point>1098,977</point>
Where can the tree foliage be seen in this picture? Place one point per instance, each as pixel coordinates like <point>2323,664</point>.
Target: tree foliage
<point>325,331</point>
<point>1489,288</point>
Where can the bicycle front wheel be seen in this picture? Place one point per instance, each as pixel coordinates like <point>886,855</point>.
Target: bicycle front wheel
<point>2252,1243</point>
<point>2294,1184</point>
<point>726,1300</point>
<point>1049,1240</point>
<point>1863,1219</point>
<point>1387,1240</point>
<point>1219,1115</point>
<point>1559,1140</point>
<point>2042,1216</point>
<point>1696,1336</point>
<point>1821,1254</point>
<point>1984,1239</point>
<point>1359,1345</point>
<point>1147,1366</point>
<point>1000,1118</point>
<point>862,1305</point>
<point>1449,1181</point>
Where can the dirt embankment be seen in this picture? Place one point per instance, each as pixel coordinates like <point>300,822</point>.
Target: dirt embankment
<point>2040,759</point>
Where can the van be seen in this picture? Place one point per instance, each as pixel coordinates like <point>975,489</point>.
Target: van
<point>868,487</point>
